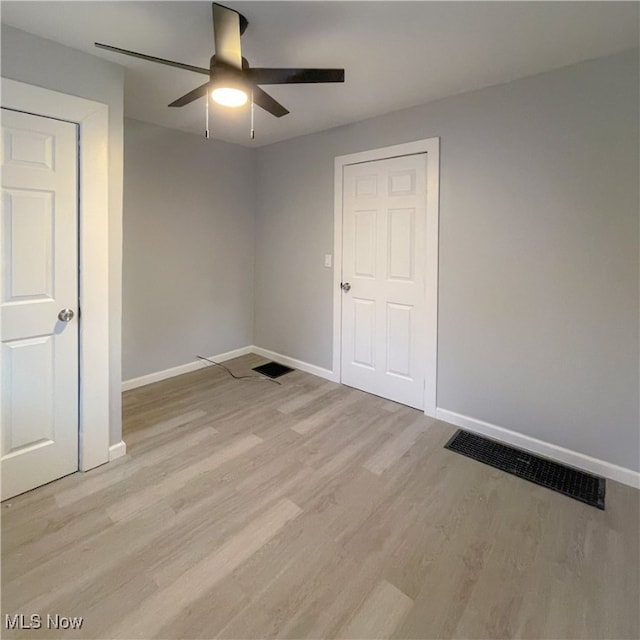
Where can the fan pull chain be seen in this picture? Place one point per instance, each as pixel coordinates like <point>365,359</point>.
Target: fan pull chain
<point>206,101</point>
<point>253,131</point>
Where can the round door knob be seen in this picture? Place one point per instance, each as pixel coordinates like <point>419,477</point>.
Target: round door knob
<point>65,315</point>
<point>345,286</point>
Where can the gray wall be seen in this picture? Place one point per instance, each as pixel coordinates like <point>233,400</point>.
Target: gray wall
<point>538,284</point>
<point>188,248</point>
<point>44,63</point>
<point>538,247</point>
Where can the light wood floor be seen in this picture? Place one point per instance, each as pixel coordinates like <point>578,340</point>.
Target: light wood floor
<point>245,509</point>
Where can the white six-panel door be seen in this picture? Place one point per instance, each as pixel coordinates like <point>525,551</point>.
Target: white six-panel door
<point>383,273</point>
<point>39,409</point>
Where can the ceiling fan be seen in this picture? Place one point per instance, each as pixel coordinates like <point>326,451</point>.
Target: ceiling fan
<point>231,80</point>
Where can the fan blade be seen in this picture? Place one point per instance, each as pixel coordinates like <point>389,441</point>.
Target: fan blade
<point>294,76</point>
<point>169,63</point>
<point>264,100</point>
<point>226,36</point>
<point>191,96</point>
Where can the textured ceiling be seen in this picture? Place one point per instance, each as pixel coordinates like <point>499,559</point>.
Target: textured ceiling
<point>396,54</point>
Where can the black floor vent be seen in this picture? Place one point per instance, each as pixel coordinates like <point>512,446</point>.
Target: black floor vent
<point>571,482</point>
<point>272,369</point>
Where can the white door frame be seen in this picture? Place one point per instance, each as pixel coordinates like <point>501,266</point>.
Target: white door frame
<point>430,146</point>
<point>93,221</point>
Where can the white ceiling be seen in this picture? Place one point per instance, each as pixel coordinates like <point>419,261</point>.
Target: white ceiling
<point>395,54</point>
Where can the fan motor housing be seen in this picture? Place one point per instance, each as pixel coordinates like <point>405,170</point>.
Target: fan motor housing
<point>213,63</point>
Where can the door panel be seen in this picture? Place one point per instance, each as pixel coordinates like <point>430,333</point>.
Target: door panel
<point>399,339</point>
<point>364,323</point>
<point>383,324</point>
<point>29,233</point>
<point>365,244</point>
<point>400,250</point>
<point>39,278</point>
<point>29,364</point>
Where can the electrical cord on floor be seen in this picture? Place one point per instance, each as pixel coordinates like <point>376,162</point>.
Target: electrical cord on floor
<point>233,375</point>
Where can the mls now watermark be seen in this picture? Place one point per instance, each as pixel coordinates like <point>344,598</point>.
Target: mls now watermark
<point>36,621</point>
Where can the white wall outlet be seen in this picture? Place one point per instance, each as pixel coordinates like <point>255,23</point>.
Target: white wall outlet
<point>327,260</point>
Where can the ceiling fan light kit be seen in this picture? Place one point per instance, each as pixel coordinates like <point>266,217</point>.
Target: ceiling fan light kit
<point>229,96</point>
<point>227,86</point>
<point>232,82</point>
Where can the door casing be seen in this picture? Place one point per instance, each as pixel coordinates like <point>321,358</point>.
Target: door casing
<point>430,146</point>
<point>93,221</point>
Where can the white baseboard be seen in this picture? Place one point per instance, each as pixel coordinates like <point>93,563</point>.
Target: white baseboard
<point>296,364</point>
<point>117,450</point>
<point>553,451</point>
<point>150,378</point>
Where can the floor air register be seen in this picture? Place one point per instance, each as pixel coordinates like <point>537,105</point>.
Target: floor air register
<point>553,475</point>
<point>272,369</point>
